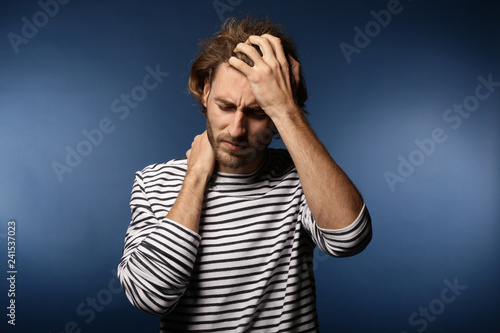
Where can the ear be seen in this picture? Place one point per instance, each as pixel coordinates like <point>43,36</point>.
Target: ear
<point>206,93</point>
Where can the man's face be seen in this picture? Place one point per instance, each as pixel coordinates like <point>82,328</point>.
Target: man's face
<point>237,128</point>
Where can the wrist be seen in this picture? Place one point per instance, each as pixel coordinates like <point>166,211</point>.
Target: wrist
<point>197,177</point>
<point>287,117</point>
<point>284,112</point>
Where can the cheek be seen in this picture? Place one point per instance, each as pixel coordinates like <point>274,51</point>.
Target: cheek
<point>218,118</point>
<point>214,118</point>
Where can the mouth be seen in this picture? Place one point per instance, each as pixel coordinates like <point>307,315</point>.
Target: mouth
<point>233,146</point>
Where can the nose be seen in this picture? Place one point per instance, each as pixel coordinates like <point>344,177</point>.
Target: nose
<point>237,128</point>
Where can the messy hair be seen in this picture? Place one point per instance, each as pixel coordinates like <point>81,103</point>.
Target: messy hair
<point>219,48</point>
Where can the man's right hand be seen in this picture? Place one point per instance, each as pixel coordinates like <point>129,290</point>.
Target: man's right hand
<point>200,165</point>
<point>201,157</point>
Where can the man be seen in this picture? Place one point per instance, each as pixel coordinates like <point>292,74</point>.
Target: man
<point>223,240</point>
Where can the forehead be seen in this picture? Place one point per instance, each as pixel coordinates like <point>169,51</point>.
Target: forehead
<point>230,84</point>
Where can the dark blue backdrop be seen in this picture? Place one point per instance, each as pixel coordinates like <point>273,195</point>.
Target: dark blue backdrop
<point>405,95</point>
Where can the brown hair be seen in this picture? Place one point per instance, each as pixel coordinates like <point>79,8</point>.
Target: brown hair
<point>219,48</point>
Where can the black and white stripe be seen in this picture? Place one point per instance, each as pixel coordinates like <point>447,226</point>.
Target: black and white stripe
<point>250,267</point>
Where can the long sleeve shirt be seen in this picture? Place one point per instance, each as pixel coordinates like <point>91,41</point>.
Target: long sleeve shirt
<point>250,266</point>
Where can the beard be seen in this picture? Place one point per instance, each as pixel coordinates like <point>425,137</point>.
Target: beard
<point>249,148</point>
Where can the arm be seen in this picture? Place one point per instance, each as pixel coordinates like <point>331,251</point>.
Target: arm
<point>159,254</point>
<point>333,199</point>
<point>201,162</point>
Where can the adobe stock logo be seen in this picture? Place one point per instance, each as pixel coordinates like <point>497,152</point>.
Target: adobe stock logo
<point>122,107</point>
<point>372,29</point>
<point>30,28</point>
<point>88,309</point>
<point>437,306</point>
<point>454,117</point>
<point>224,6</point>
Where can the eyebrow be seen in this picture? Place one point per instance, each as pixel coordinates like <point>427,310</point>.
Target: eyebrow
<point>223,101</point>
<point>220,100</point>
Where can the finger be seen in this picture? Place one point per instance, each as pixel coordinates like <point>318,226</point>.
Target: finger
<point>278,50</point>
<point>278,54</point>
<point>240,65</point>
<point>265,45</point>
<point>295,68</point>
<point>251,52</point>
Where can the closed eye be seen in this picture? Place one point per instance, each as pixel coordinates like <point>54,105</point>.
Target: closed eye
<point>224,107</point>
<point>257,113</point>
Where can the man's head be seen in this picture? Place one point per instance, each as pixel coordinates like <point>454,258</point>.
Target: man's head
<point>217,50</point>
<point>238,129</point>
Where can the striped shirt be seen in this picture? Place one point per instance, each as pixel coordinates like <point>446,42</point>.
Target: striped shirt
<point>250,266</point>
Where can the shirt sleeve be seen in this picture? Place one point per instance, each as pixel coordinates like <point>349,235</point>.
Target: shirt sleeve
<point>158,256</point>
<point>344,242</point>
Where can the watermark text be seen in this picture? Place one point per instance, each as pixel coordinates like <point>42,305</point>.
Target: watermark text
<point>363,37</point>
<point>225,6</point>
<point>30,27</point>
<point>428,314</point>
<point>11,272</point>
<point>452,117</point>
<point>122,107</point>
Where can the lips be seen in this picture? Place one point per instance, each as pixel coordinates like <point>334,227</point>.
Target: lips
<point>233,145</point>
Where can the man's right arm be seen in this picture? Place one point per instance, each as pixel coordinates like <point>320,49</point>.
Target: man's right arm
<point>159,254</point>
<point>201,163</point>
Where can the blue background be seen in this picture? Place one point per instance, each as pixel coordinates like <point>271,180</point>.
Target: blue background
<point>440,224</point>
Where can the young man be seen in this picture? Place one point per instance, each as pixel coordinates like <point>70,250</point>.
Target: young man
<point>223,240</point>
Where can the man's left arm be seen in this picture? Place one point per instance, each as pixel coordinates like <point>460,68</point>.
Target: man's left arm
<point>333,199</point>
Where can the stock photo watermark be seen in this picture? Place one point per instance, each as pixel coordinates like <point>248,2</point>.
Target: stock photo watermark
<point>429,314</point>
<point>30,27</point>
<point>87,310</point>
<point>225,6</point>
<point>363,37</point>
<point>11,272</point>
<point>122,107</point>
<point>452,117</point>
<point>314,260</point>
